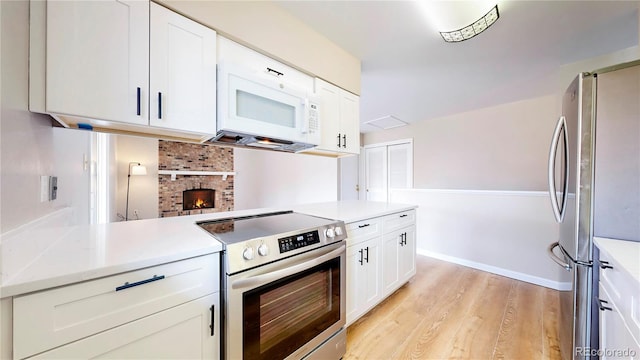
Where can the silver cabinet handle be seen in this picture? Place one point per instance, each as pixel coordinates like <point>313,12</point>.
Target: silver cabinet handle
<point>555,257</point>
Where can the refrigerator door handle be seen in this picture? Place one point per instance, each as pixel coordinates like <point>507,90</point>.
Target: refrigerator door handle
<point>557,212</point>
<point>555,257</point>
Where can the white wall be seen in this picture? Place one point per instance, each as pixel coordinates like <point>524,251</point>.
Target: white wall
<point>506,233</point>
<point>72,164</point>
<point>269,178</point>
<point>143,191</point>
<point>28,144</point>
<point>503,147</point>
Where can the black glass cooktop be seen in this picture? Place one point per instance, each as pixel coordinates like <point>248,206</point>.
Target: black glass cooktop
<point>239,229</point>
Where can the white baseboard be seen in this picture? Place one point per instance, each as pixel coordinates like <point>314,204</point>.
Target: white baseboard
<point>562,286</point>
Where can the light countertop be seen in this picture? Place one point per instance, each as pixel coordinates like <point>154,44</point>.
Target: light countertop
<point>626,253</point>
<point>46,253</point>
<point>352,210</point>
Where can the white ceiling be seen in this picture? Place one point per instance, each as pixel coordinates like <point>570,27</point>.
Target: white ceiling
<point>409,72</point>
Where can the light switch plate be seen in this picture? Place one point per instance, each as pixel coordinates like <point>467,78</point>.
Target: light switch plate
<point>53,188</point>
<point>44,188</point>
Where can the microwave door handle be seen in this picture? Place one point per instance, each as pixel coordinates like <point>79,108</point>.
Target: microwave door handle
<point>551,170</point>
<point>279,274</point>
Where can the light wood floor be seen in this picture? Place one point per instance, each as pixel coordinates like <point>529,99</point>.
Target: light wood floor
<point>448,311</point>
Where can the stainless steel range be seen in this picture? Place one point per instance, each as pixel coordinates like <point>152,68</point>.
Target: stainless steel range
<point>283,286</point>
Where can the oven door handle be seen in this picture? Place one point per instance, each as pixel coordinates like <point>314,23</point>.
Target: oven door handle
<point>279,274</point>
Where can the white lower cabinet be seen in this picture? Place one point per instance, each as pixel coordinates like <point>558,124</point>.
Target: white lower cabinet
<point>381,257</point>
<point>619,302</point>
<point>363,278</point>
<point>616,339</point>
<point>399,258</point>
<point>165,311</point>
<point>182,332</point>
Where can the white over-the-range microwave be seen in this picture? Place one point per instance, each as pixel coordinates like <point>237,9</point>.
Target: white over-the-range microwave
<point>259,110</point>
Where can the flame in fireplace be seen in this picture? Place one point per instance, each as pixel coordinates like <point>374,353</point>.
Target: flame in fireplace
<point>197,198</point>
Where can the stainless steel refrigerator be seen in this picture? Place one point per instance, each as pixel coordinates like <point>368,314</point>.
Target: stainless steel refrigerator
<point>594,186</point>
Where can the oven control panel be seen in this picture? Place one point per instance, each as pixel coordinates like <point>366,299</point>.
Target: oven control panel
<point>294,242</point>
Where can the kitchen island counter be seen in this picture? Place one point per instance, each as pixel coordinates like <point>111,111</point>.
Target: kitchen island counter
<point>352,210</point>
<point>47,253</point>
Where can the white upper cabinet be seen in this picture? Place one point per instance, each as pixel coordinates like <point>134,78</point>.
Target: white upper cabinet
<point>123,65</point>
<point>340,118</point>
<point>97,58</point>
<point>183,73</point>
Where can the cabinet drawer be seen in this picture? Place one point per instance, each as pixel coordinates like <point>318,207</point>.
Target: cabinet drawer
<point>363,230</point>
<point>51,318</point>
<point>181,332</point>
<point>399,220</point>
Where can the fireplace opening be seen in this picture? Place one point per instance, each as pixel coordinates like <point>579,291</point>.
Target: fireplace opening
<point>196,199</point>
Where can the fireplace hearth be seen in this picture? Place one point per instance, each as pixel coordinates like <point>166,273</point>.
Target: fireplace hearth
<point>196,199</point>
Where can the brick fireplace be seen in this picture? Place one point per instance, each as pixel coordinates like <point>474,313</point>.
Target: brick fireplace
<point>194,194</point>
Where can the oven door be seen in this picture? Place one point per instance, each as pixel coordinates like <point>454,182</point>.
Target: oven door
<point>287,308</point>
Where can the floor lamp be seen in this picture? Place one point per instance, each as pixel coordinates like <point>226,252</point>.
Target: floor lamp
<point>135,168</point>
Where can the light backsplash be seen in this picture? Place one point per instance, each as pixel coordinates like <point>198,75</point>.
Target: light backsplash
<point>194,157</point>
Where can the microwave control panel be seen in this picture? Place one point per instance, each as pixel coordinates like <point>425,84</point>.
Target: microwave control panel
<point>294,242</point>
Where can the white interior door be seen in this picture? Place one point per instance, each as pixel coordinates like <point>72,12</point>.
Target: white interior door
<point>376,173</point>
<point>387,166</point>
<point>400,165</point>
<point>349,182</point>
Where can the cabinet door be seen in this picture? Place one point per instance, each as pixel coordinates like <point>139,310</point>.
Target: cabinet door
<point>181,332</point>
<point>616,341</point>
<point>407,254</point>
<point>329,115</point>
<point>183,73</point>
<point>364,272</point>
<point>355,283</point>
<point>350,122</point>
<point>390,261</point>
<point>98,59</point>
<point>373,288</point>
<point>398,258</point>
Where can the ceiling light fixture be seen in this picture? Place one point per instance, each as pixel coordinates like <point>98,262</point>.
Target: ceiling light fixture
<point>474,29</point>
